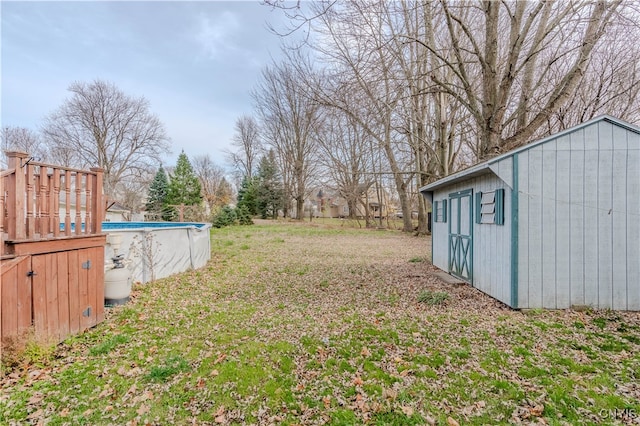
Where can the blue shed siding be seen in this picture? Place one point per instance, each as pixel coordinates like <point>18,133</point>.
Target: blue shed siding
<point>491,243</point>
<point>576,243</point>
<point>576,237</point>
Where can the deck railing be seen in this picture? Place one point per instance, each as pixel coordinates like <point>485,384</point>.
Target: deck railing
<point>41,201</point>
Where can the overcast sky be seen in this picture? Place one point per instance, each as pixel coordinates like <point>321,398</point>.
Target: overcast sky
<point>194,61</point>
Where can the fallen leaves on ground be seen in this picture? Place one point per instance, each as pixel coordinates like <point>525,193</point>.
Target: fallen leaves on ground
<point>305,324</point>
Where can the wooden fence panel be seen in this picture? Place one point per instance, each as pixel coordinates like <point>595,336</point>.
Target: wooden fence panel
<point>74,289</point>
<point>83,293</point>
<point>97,279</point>
<point>39,289</point>
<point>15,297</point>
<point>62,262</point>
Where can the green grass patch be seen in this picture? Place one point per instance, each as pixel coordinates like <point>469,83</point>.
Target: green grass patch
<point>173,365</point>
<point>433,298</point>
<point>108,345</point>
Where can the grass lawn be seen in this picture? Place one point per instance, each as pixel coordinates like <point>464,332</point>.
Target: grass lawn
<point>321,324</point>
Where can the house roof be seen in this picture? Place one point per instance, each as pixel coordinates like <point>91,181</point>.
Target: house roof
<point>485,166</point>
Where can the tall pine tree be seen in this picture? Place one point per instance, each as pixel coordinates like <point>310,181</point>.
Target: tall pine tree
<point>157,198</point>
<point>184,186</point>
<point>270,193</point>
<point>247,196</point>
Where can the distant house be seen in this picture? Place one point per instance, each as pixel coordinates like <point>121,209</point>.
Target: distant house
<point>553,224</point>
<point>336,206</point>
<point>119,213</point>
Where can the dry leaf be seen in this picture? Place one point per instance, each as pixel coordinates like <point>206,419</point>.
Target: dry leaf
<point>35,414</point>
<point>389,394</point>
<point>452,422</point>
<point>144,409</point>
<point>35,399</point>
<point>105,392</point>
<point>365,352</point>
<point>220,358</point>
<point>407,410</point>
<point>537,410</point>
<point>327,401</point>
<point>64,412</point>
<point>357,381</point>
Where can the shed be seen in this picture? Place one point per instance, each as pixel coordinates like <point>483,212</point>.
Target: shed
<point>553,224</point>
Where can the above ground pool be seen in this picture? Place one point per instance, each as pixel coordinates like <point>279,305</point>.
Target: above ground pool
<point>154,250</point>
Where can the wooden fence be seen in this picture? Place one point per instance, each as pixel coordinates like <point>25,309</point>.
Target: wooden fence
<point>51,249</point>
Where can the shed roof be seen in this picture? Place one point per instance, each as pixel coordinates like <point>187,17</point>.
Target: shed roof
<point>485,166</point>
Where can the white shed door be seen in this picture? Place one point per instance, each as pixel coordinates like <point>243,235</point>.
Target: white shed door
<point>461,235</point>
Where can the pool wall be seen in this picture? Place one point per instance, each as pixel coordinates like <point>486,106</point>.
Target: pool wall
<point>154,250</point>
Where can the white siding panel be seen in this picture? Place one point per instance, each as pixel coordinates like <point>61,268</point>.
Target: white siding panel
<point>577,223</point>
<point>548,232</point>
<point>619,231</point>
<point>605,217</point>
<point>504,170</point>
<point>563,228</point>
<point>563,143</point>
<point>605,136</point>
<point>590,135</point>
<point>492,247</point>
<point>523,230</point>
<point>535,230</point>
<point>591,228</point>
<point>440,236</point>
<point>633,223</point>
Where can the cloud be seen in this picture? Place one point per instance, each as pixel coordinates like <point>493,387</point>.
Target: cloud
<point>214,35</point>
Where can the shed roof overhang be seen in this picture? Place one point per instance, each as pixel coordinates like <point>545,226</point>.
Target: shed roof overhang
<point>490,166</point>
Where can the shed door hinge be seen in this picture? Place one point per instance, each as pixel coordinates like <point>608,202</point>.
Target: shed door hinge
<point>32,273</point>
<point>86,265</point>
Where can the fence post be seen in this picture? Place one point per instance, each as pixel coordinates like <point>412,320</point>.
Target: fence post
<point>96,200</point>
<point>16,195</point>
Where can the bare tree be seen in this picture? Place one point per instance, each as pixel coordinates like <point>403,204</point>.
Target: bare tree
<point>248,146</point>
<point>341,148</point>
<point>610,85</point>
<point>102,126</point>
<point>290,121</point>
<point>362,83</point>
<point>515,63</point>
<point>211,177</point>
<point>22,139</point>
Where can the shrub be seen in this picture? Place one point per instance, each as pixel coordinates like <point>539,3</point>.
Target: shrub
<point>26,350</point>
<point>226,217</point>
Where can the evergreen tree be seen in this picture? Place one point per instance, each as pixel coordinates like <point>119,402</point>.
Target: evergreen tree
<point>247,196</point>
<point>157,199</point>
<point>270,192</point>
<point>184,186</point>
